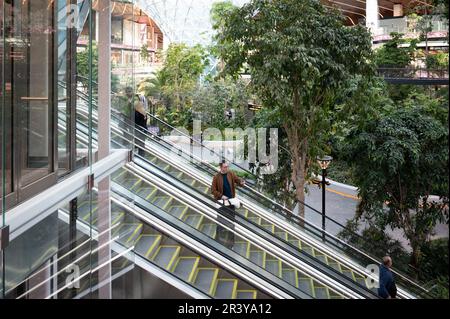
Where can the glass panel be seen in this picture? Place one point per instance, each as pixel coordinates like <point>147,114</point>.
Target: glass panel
<point>6,114</point>
<point>63,67</point>
<point>33,87</point>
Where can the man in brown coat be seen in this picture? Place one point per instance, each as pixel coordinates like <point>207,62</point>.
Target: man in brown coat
<point>224,187</point>
<point>224,183</point>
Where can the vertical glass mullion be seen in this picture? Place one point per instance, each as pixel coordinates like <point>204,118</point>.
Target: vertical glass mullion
<point>90,140</point>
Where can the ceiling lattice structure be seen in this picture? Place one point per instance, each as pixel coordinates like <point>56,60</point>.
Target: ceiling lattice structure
<point>185,21</point>
<point>188,21</point>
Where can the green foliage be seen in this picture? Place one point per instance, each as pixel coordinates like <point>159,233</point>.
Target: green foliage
<point>401,159</point>
<point>434,267</point>
<point>297,53</point>
<point>376,242</point>
<point>438,60</point>
<point>340,172</point>
<point>434,261</point>
<point>214,98</point>
<point>180,73</point>
<point>393,54</point>
<point>83,59</point>
<point>278,185</point>
<point>83,63</point>
<point>219,11</point>
<point>144,53</point>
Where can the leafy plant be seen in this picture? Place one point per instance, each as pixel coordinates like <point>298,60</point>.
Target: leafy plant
<point>297,53</point>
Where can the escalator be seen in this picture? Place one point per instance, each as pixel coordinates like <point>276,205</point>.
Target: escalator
<point>193,174</point>
<point>309,284</point>
<point>146,194</point>
<point>161,249</point>
<point>358,250</point>
<point>276,219</point>
<point>303,285</point>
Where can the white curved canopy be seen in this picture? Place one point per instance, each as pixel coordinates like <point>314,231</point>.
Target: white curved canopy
<point>185,21</point>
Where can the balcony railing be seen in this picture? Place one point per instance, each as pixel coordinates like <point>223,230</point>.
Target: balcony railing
<point>414,75</point>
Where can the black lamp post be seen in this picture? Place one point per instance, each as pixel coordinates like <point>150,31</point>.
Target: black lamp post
<point>324,162</point>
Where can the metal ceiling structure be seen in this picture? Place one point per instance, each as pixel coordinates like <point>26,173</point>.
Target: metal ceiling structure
<point>188,21</point>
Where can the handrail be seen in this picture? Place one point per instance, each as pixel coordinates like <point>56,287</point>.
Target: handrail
<point>196,194</point>
<point>304,221</point>
<point>296,216</point>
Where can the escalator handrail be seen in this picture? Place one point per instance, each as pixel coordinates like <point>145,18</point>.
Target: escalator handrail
<point>158,212</point>
<point>374,259</point>
<point>300,254</point>
<point>423,290</point>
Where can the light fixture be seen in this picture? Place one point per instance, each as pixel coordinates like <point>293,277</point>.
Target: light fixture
<point>324,161</point>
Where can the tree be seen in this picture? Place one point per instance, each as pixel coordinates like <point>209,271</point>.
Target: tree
<point>144,53</point>
<point>399,161</point>
<point>214,98</point>
<point>394,54</point>
<point>181,72</point>
<point>299,55</point>
<point>83,64</point>
<point>278,185</point>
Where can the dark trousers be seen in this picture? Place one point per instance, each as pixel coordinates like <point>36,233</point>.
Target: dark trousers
<point>140,139</point>
<point>127,129</point>
<point>223,235</point>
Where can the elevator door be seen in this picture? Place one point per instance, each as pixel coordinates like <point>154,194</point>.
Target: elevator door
<point>29,75</point>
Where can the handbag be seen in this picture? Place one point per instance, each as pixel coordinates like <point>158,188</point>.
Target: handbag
<point>229,202</point>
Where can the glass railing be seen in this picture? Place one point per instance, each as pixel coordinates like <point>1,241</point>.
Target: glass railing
<point>260,199</point>
<point>118,137</point>
<point>168,254</point>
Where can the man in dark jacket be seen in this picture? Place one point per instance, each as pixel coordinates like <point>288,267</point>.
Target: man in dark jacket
<point>223,188</point>
<point>224,183</point>
<point>387,289</point>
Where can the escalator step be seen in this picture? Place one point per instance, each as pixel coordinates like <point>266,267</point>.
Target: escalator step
<point>282,234</point>
<point>268,227</point>
<point>160,201</point>
<point>360,280</point>
<point>246,294</point>
<point>146,244</point>
<point>290,275</point>
<point>226,288</point>
<point>307,249</point>
<point>128,233</point>
<point>177,211</point>
<point>117,217</point>
<point>295,243</point>
<point>335,295</point>
<point>205,279</point>
<point>166,255</point>
<point>347,272</point>
<point>242,248</point>
<point>322,258</point>
<point>185,267</point>
<point>209,229</point>
<point>321,292</point>
<point>335,265</point>
<point>256,220</point>
<point>193,220</point>
<point>274,266</point>
<point>305,284</point>
<point>258,257</point>
<point>188,181</point>
<point>146,191</point>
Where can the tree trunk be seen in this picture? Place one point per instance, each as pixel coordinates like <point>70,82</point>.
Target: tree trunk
<point>299,173</point>
<point>415,255</point>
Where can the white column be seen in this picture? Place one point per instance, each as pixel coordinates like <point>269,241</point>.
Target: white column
<point>372,15</point>
<point>104,141</point>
